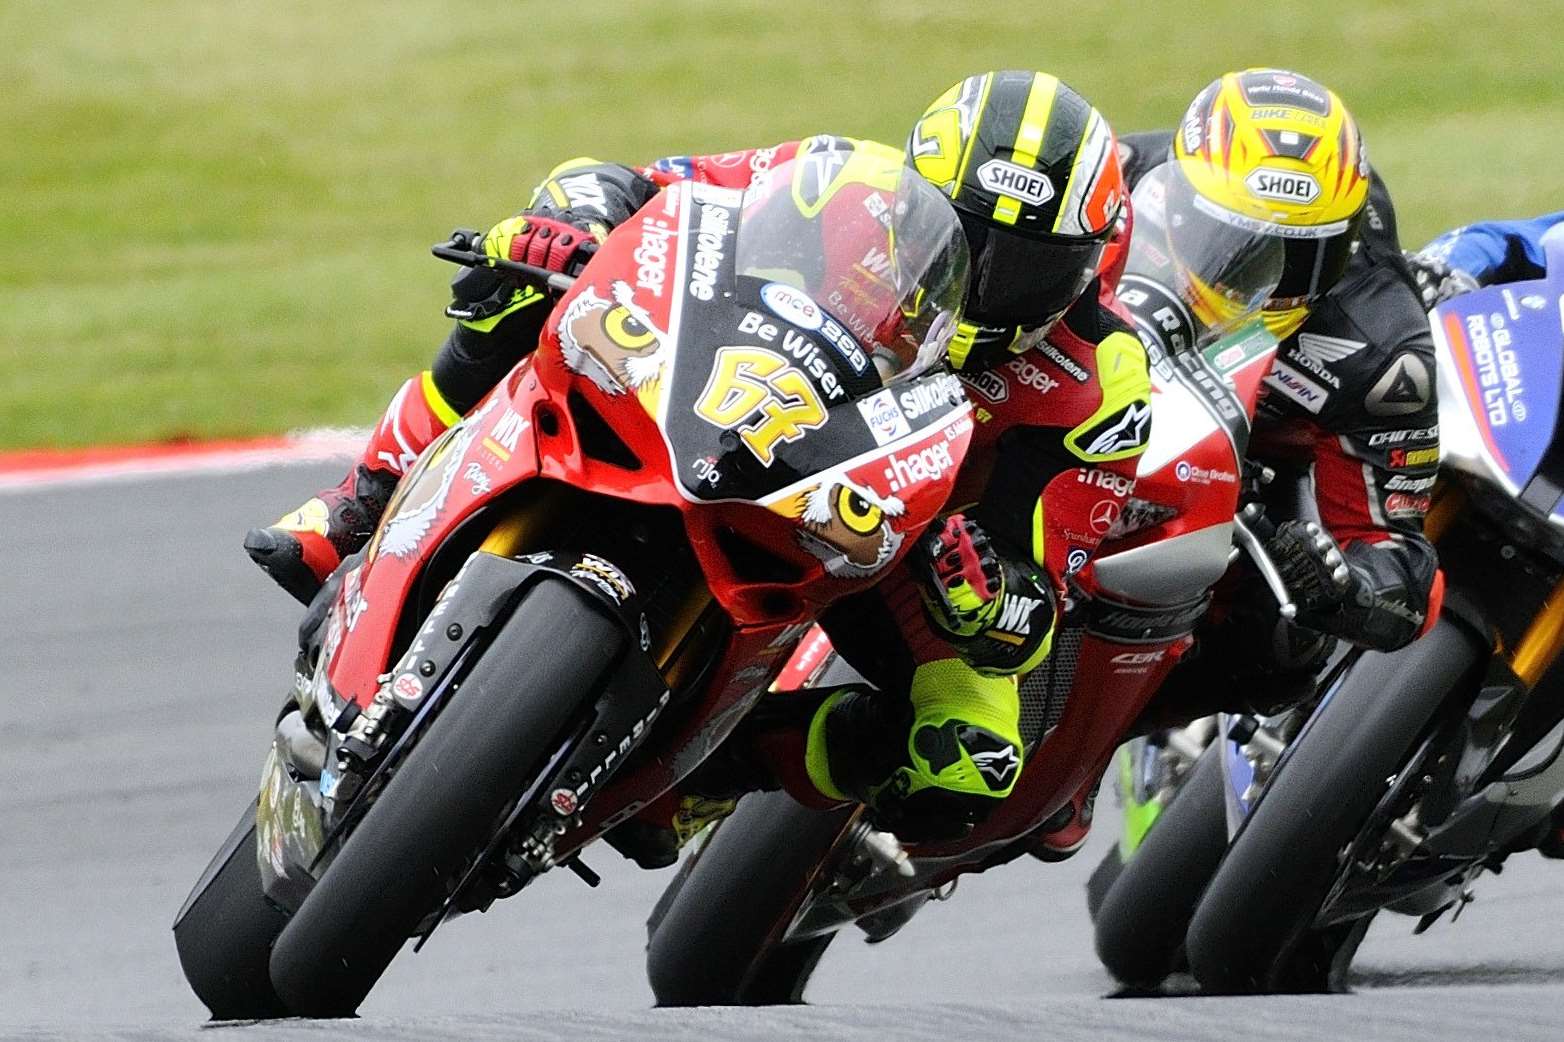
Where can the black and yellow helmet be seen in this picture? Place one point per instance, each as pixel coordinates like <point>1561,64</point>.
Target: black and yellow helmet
<point>1033,172</point>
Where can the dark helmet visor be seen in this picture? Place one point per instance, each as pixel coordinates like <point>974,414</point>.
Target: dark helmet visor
<point>1021,280</point>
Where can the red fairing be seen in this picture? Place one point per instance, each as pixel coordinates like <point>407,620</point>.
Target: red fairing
<point>524,431</point>
<point>726,169</point>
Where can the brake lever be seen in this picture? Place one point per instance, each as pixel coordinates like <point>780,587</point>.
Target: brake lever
<point>460,249</point>
<point>1244,536</point>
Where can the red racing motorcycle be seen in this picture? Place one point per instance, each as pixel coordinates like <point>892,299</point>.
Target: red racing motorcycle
<point>756,904</point>
<point>581,588</point>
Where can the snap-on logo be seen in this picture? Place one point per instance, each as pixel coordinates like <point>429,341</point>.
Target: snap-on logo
<point>1011,179</point>
<point>1286,185</point>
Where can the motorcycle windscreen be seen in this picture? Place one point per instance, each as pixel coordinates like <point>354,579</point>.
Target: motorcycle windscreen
<point>810,327</point>
<point>1501,373</point>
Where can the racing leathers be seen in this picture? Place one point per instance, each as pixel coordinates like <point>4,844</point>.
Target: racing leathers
<point>939,742</point>
<point>1349,411</point>
<point>1481,254</point>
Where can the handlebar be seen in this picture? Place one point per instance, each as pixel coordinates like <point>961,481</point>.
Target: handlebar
<point>459,249</point>
<point>1244,536</point>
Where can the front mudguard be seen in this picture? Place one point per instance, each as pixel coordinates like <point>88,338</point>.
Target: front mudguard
<point>289,831</point>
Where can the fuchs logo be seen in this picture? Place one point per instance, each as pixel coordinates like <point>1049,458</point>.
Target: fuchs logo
<point>884,417</point>
<point>1010,179</point>
<point>792,305</point>
<point>1286,185</point>
<point>929,464</point>
<point>987,385</point>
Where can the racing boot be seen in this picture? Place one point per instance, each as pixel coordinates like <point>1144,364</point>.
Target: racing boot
<point>930,766</point>
<point>1065,832</point>
<point>305,546</point>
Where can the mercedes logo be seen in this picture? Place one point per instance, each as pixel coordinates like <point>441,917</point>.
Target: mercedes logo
<point>1104,514</point>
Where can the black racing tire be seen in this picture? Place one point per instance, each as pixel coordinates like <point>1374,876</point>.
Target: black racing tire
<point>511,712</point>
<point>715,941</point>
<point>1141,921</point>
<point>1102,879</point>
<point>225,930</point>
<point>1253,930</point>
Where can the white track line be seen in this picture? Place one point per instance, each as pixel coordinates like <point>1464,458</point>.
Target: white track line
<point>303,447</point>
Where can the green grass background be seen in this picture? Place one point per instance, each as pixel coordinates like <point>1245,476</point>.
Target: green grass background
<point>214,216</point>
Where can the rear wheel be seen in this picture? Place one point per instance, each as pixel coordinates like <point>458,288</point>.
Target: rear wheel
<point>225,930</point>
<point>443,803</point>
<point>1141,921</point>
<point>716,939</point>
<point>1255,928</point>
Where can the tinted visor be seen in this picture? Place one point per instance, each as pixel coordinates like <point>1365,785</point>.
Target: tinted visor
<point>1024,281</point>
<point>1314,258</point>
<point>1313,266</point>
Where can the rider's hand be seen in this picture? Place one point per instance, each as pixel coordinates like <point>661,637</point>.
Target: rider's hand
<point>1312,566</point>
<point>543,242</point>
<point>960,576</point>
<point>1437,281</point>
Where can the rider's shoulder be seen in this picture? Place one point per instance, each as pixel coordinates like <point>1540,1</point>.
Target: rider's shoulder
<point>1141,151</point>
<point>1090,321</point>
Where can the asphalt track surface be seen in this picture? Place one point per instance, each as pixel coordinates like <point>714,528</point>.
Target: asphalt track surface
<point>145,657</point>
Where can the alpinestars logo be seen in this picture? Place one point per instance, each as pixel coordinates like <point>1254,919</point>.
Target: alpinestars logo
<point>1121,432</point>
<point>995,758</point>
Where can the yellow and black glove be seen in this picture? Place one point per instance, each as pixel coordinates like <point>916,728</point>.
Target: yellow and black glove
<point>997,612</point>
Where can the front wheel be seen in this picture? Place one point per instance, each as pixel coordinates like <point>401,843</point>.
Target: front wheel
<point>1255,929</point>
<point>1141,920</point>
<point>715,938</point>
<point>510,714</point>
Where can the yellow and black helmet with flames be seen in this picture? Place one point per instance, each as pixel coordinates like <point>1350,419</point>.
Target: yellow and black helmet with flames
<point>1033,172</point>
<point>1273,152</point>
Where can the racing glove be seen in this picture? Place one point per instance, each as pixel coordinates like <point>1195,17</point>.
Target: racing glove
<point>996,610</point>
<point>1436,280</point>
<point>482,297</point>
<point>545,242</point>
<point>1336,591</point>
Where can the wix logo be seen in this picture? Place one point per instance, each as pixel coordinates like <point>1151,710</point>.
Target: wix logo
<point>1015,615</point>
